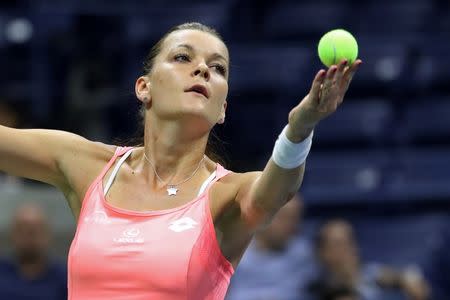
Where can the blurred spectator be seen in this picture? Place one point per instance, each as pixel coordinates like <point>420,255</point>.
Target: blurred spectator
<point>30,274</point>
<point>277,262</point>
<point>341,267</point>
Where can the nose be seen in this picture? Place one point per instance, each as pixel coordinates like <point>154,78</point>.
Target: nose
<point>202,70</point>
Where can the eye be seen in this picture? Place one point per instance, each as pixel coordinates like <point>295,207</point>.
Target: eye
<point>182,57</point>
<point>221,69</point>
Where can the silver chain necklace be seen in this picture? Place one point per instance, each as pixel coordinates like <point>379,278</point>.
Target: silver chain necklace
<point>172,189</point>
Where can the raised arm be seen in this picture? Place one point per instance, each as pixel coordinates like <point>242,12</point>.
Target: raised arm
<point>262,194</point>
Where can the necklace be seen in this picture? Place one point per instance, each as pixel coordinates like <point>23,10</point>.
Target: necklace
<point>172,189</point>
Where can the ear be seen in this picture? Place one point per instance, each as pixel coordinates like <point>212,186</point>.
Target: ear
<point>222,113</point>
<point>142,89</point>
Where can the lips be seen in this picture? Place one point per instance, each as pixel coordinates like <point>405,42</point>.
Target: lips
<point>198,88</point>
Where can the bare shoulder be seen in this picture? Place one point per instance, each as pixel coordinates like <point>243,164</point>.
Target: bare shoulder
<point>78,147</point>
<point>226,193</point>
<point>237,182</point>
<point>81,162</point>
<point>241,179</point>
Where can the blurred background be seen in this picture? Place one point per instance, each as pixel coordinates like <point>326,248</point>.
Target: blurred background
<point>382,163</point>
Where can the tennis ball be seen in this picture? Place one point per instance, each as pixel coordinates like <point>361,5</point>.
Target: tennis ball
<point>337,45</point>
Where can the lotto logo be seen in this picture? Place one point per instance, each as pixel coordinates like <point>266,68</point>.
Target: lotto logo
<point>182,224</point>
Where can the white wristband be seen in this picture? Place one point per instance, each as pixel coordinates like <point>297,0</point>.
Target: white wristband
<point>289,155</point>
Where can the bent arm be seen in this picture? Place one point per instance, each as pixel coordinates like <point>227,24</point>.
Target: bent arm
<point>42,155</point>
<point>30,153</point>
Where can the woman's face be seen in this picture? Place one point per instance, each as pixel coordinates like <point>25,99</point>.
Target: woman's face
<point>339,251</point>
<point>189,79</point>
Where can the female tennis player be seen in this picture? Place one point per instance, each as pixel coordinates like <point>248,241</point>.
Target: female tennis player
<point>163,220</point>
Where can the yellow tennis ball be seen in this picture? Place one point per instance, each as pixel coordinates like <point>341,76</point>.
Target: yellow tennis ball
<point>337,45</point>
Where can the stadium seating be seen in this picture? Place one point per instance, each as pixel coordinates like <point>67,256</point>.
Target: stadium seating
<point>359,123</point>
<point>425,122</point>
<point>345,177</point>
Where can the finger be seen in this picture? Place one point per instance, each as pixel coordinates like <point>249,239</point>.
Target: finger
<point>352,68</point>
<point>340,70</point>
<point>317,82</point>
<point>331,72</point>
<point>351,71</point>
<point>329,77</point>
<point>347,78</point>
<point>328,82</point>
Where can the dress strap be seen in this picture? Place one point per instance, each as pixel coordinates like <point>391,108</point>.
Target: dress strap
<point>206,183</point>
<point>116,170</point>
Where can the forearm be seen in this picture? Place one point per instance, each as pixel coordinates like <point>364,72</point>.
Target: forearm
<point>283,173</point>
<point>276,186</point>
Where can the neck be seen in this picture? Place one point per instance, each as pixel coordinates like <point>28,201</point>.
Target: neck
<point>174,153</point>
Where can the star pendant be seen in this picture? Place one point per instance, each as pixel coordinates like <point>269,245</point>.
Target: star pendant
<point>172,191</point>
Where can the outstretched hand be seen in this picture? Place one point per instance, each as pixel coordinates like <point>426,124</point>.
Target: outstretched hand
<point>326,94</point>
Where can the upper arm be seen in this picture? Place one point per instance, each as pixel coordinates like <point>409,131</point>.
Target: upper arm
<point>46,155</point>
<point>236,216</point>
<point>252,215</point>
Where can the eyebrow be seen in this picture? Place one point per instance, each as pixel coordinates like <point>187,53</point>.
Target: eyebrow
<point>190,48</point>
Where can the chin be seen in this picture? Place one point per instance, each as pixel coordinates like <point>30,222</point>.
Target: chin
<point>195,109</point>
<point>196,117</point>
<point>194,102</point>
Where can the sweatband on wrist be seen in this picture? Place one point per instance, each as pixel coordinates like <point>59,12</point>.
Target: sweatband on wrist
<point>289,155</point>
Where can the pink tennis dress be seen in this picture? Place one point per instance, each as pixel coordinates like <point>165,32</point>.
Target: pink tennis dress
<point>170,254</point>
